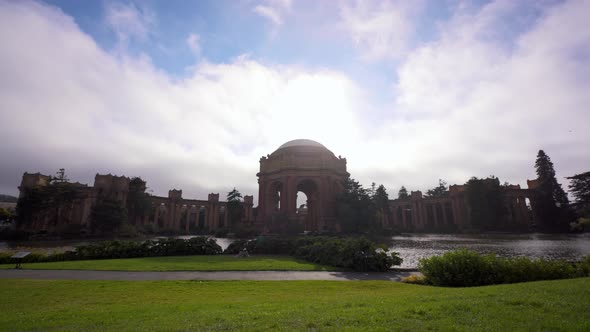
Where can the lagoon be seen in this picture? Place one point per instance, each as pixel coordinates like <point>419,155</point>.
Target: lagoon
<point>413,247</point>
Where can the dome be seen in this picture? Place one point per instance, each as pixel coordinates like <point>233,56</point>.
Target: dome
<point>301,142</point>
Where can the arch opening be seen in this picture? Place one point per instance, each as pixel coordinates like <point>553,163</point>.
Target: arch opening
<point>307,205</point>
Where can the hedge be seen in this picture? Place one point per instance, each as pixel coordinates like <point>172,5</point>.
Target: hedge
<point>464,268</point>
<point>358,254</point>
<point>127,249</point>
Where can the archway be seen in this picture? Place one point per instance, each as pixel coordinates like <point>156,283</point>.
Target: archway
<point>300,168</point>
<point>308,188</point>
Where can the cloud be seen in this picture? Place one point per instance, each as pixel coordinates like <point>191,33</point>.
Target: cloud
<point>474,103</point>
<point>129,21</point>
<point>379,29</point>
<point>476,100</point>
<point>194,43</point>
<point>273,10</point>
<point>81,108</point>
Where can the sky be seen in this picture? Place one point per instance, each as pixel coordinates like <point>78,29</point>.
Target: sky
<point>190,94</point>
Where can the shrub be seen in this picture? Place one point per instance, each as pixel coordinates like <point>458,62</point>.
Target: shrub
<point>161,247</point>
<point>463,268</point>
<point>127,249</point>
<point>359,254</point>
<point>414,279</point>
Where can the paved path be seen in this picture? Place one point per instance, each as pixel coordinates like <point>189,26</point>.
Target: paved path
<point>195,275</point>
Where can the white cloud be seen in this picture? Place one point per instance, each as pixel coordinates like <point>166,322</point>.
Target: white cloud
<point>468,103</point>
<point>194,43</point>
<point>129,21</point>
<point>471,104</point>
<point>273,10</point>
<point>379,29</point>
<point>84,109</point>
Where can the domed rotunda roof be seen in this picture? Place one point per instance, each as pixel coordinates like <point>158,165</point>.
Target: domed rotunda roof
<point>301,142</point>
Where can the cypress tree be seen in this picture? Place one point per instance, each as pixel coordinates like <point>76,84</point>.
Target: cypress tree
<point>552,200</point>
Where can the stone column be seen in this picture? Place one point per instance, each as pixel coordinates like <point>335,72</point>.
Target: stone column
<point>225,217</point>
<point>435,214</point>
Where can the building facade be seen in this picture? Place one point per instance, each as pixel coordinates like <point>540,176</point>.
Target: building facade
<point>297,168</point>
<point>173,213</point>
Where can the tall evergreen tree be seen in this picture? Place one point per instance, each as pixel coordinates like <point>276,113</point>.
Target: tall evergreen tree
<point>580,187</point>
<point>234,207</point>
<point>552,201</point>
<point>354,207</point>
<point>440,191</point>
<point>403,193</point>
<point>381,205</point>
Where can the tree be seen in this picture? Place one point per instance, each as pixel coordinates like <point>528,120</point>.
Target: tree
<point>235,208</point>
<point>48,199</point>
<point>381,204</point>
<point>580,188</point>
<point>138,201</point>
<point>403,193</point>
<point>549,184</point>
<point>485,200</point>
<point>354,207</point>
<point>5,216</point>
<point>107,215</point>
<point>60,176</point>
<point>439,191</point>
<point>552,202</point>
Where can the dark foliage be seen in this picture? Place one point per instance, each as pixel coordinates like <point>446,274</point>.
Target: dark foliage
<point>235,209</point>
<point>129,249</point>
<point>552,202</point>
<point>358,254</point>
<point>48,199</point>
<point>403,193</point>
<point>580,189</point>
<point>354,208</point>
<point>485,200</point>
<point>464,268</point>
<point>439,191</point>
<point>138,201</point>
<point>107,215</point>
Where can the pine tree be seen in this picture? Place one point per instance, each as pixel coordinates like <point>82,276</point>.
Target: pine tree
<point>403,193</point>
<point>553,201</point>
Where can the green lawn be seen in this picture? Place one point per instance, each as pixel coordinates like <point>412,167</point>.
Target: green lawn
<point>27,305</point>
<point>184,263</point>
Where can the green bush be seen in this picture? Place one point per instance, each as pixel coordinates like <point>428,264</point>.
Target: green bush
<point>127,249</point>
<point>358,254</point>
<point>464,268</point>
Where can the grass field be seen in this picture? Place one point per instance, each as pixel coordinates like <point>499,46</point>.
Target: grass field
<point>27,305</point>
<point>184,263</point>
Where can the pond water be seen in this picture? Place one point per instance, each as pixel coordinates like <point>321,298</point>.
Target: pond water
<point>413,247</point>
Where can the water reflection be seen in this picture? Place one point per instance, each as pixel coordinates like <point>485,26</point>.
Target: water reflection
<point>412,247</point>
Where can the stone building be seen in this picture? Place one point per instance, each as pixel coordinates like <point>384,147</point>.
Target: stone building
<point>307,166</point>
<point>297,169</point>
<point>303,166</point>
<point>451,213</point>
<point>173,213</point>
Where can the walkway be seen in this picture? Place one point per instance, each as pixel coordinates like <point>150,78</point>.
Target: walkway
<point>196,275</point>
